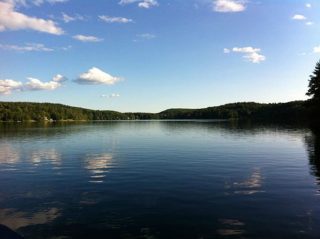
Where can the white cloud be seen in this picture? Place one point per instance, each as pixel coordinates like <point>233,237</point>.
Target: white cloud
<point>146,36</point>
<point>113,95</point>
<point>95,76</point>
<point>40,2</point>
<point>59,78</point>
<point>57,1</point>
<point>251,54</point>
<point>10,19</point>
<point>299,17</point>
<point>84,38</point>
<point>226,50</point>
<point>27,47</point>
<point>37,2</point>
<point>35,84</point>
<point>109,19</point>
<point>229,5</point>
<point>316,49</point>
<point>141,3</point>
<point>66,48</point>
<point>309,23</point>
<point>7,86</point>
<point>17,2</point>
<point>148,4</point>
<point>26,3</point>
<point>125,2</point>
<point>68,18</point>
<point>308,5</point>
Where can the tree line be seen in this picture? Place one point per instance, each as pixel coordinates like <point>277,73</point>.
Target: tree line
<point>298,110</point>
<point>25,111</point>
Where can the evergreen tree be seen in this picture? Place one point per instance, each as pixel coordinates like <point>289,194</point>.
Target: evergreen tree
<point>314,84</point>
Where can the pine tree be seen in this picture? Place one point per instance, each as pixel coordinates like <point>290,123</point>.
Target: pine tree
<point>314,84</point>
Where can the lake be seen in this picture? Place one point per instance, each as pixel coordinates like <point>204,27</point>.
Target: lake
<point>160,179</point>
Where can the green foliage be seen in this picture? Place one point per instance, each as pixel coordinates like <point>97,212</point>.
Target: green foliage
<point>23,111</point>
<point>313,104</point>
<point>244,110</point>
<point>314,84</point>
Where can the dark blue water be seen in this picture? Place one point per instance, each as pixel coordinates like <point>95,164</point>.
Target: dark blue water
<point>153,179</point>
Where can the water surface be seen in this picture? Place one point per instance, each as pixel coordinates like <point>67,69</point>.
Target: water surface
<point>152,179</point>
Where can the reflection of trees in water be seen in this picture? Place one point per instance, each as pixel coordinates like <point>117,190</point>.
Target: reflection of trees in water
<point>313,148</point>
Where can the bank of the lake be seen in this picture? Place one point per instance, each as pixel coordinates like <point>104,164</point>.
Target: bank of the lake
<point>26,111</point>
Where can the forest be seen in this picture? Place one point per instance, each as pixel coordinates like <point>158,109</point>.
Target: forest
<point>26,111</point>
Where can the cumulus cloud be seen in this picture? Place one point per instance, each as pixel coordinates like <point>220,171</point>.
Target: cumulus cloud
<point>27,47</point>
<point>299,17</point>
<point>68,18</point>
<point>229,5</point>
<point>10,19</point>
<point>36,84</point>
<point>308,5</point>
<point>316,49</point>
<point>59,78</point>
<point>148,4</point>
<point>109,19</point>
<point>85,38</point>
<point>95,76</point>
<point>8,85</point>
<point>141,3</point>
<point>249,53</point>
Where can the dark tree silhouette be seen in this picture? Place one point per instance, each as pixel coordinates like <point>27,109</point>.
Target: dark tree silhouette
<point>314,84</point>
<point>313,147</point>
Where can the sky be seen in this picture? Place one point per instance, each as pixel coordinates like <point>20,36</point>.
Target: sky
<point>151,55</point>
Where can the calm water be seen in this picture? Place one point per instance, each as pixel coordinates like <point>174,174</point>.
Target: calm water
<point>160,180</point>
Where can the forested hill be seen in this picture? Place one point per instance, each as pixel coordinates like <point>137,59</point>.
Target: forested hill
<point>25,111</point>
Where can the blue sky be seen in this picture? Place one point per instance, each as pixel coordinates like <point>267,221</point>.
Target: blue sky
<point>148,55</point>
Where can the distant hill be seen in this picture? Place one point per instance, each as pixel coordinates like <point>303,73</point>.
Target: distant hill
<point>294,109</point>
<point>25,111</point>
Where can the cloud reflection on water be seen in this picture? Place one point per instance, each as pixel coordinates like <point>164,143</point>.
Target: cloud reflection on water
<point>249,186</point>
<point>51,155</point>
<point>8,155</point>
<point>98,165</point>
<point>17,219</point>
